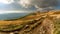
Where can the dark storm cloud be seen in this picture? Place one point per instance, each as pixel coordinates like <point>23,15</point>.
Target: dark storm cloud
<point>39,4</point>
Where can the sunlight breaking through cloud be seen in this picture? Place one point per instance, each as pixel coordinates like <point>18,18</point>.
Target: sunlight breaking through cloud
<point>5,12</point>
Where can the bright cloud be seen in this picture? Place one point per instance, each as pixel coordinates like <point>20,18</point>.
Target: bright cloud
<point>6,1</point>
<point>25,3</point>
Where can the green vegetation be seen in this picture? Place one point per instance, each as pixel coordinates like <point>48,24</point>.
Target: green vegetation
<point>57,26</point>
<point>58,32</point>
<point>11,27</point>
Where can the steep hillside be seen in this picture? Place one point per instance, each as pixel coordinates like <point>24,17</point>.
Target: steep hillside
<point>34,23</point>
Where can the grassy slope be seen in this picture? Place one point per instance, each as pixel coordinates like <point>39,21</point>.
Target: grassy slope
<point>35,16</point>
<point>8,25</point>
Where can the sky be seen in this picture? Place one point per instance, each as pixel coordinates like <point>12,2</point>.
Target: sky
<point>10,9</point>
<point>25,5</point>
<point>13,6</point>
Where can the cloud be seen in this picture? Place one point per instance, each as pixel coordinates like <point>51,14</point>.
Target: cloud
<point>25,3</point>
<point>38,3</point>
<point>6,1</point>
<point>15,6</point>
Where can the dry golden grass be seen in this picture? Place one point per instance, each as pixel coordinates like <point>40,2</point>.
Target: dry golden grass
<point>28,18</point>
